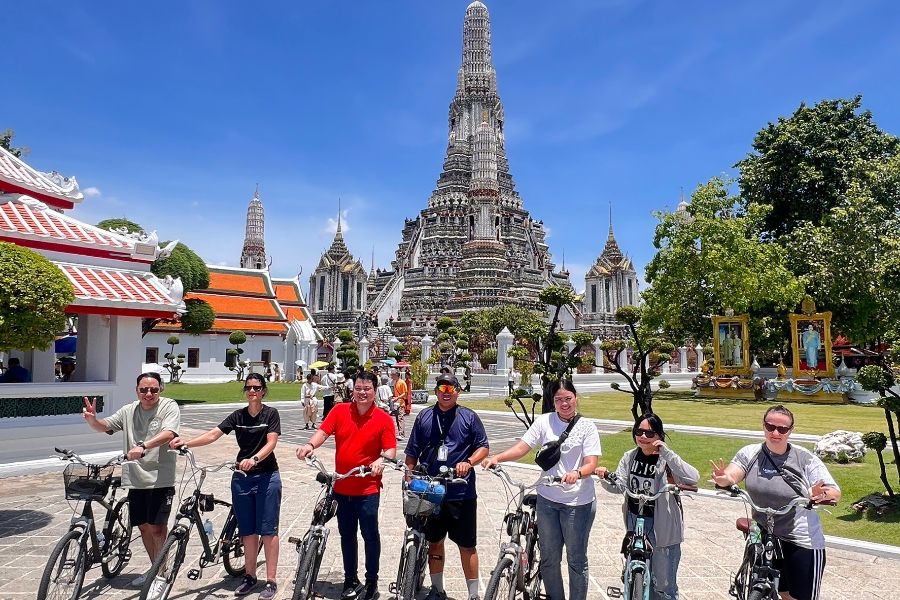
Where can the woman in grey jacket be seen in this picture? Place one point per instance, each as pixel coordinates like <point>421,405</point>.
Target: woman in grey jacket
<point>646,469</point>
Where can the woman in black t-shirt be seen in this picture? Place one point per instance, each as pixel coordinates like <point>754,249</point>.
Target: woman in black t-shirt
<point>256,496</point>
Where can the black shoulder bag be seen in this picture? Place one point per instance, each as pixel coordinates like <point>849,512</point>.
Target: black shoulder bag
<point>550,453</point>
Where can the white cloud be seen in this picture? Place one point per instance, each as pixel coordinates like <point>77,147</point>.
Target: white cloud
<point>331,224</point>
<point>91,192</point>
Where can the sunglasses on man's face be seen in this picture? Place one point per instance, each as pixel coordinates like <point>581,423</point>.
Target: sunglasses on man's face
<point>446,388</point>
<point>253,388</point>
<point>148,390</point>
<point>770,427</point>
<point>647,433</point>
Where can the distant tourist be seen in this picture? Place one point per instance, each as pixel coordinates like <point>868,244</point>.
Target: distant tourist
<point>16,373</point>
<point>328,381</point>
<point>309,402</point>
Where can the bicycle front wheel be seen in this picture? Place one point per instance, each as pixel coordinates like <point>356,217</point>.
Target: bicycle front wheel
<point>161,576</point>
<point>637,585</point>
<point>307,568</point>
<point>64,574</point>
<point>117,552</point>
<point>408,577</point>
<point>233,554</point>
<point>502,584</point>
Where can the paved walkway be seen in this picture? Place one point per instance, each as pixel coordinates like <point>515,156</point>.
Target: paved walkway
<point>33,515</point>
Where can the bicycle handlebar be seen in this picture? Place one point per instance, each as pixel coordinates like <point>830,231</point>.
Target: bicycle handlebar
<point>799,502</point>
<point>504,476</point>
<point>361,471</point>
<point>231,465</point>
<point>445,477</point>
<point>72,456</point>
<point>669,488</point>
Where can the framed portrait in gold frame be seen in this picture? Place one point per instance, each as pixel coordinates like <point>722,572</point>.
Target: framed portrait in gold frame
<point>731,345</point>
<point>811,342</point>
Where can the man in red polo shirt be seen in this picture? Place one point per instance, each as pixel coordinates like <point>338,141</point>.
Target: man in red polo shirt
<point>362,433</point>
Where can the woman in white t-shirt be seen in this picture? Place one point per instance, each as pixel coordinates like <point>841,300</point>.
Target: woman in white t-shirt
<point>566,512</point>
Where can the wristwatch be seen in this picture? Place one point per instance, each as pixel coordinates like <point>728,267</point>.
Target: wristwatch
<point>142,445</point>
<point>255,459</point>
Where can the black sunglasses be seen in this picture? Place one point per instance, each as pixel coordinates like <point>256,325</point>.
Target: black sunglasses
<point>150,390</point>
<point>647,433</point>
<point>253,388</point>
<point>780,428</point>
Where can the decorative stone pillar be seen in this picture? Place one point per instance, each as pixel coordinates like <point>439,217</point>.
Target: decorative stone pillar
<point>42,365</point>
<point>667,367</point>
<point>623,359</point>
<point>427,343</point>
<point>598,355</point>
<point>699,350</point>
<point>682,359</point>
<point>392,342</point>
<point>363,351</point>
<point>504,343</point>
<point>337,346</point>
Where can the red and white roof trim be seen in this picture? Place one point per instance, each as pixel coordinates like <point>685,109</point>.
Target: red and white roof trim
<point>29,222</point>
<point>118,291</point>
<point>52,188</point>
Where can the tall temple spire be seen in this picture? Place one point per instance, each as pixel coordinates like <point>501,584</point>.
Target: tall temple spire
<point>253,254</point>
<point>477,70</point>
<point>610,236</point>
<point>338,232</point>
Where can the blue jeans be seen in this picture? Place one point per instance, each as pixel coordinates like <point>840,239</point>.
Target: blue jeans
<point>359,513</point>
<point>663,565</point>
<point>560,524</point>
<point>256,498</point>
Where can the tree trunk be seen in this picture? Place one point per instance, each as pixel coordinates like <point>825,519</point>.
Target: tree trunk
<point>893,435</point>
<point>547,404</point>
<point>884,478</point>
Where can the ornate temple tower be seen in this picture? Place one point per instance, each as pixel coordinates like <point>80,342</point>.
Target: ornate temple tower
<point>610,284</point>
<point>474,246</point>
<point>253,255</point>
<point>338,288</point>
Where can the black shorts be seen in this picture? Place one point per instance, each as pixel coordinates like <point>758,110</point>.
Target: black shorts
<point>801,570</point>
<point>457,520</point>
<point>151,506</point>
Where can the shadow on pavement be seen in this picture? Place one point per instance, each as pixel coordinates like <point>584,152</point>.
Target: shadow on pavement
<point>17,522</point>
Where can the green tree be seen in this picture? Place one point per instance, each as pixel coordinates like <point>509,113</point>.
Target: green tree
<point>198,317</point>
<point>34,295</point>
<point>174,362</point>
<point>452,343</point>
<point>233,355</point>
<point>803,166</point>
<point>185,263</point>
<point>712,258</point>
<point>482,326</point>
<point>649,352</point>
<point>348,352</point>
<point>875,440</point>
<point>120,223</point>
<point>880,379</point>
<point>6,141</point>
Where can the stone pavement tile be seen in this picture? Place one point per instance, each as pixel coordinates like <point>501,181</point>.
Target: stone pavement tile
<point>711,552</point>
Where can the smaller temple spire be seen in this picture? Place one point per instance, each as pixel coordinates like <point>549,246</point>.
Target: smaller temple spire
<point>253,254</point>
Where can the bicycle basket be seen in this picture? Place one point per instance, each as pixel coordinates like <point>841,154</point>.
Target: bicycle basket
<point>320,511</point>
<point>85,483</point>
<point>207,503</point>
<point>416,505</point>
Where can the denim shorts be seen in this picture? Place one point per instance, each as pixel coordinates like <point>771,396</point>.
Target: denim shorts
<point>256,498</point>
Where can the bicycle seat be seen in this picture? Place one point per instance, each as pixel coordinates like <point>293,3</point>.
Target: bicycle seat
<point>743,524</point>
<point>530,500</point>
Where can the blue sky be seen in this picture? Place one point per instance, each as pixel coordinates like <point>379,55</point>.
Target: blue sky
<point>169,113</point>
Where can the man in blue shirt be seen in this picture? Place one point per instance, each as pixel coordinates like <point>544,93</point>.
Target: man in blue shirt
<point>453,436</point>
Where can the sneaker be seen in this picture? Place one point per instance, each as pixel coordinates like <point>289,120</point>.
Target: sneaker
<point>157,588</point>
<point>352,587</point>
<point>436,594</point>
<point>371,590</point>
<point>247,584</point>
<point>268,592</point>
<point>139,580</point>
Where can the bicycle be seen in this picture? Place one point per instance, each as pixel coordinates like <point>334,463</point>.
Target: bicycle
<point>517,571</point>
<point>227,546</point>
<point>756,578</point>
<point>392,408</point>
<point>637,573</point>
<point>311,547</point>
<point>422,498</point>
<point>82,546</point>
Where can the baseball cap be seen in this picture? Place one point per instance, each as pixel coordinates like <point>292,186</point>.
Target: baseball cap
<point>445,378</point>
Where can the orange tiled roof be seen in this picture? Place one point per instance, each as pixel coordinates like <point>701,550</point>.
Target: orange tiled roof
<point>286,292</point>
<point>294,313</point>
<point>240,306</point>
<point>229,325</point>
<point>247,283</point>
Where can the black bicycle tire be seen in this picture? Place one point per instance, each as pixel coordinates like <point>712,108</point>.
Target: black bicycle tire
<point>233,550</point>
<point>637,585</point>
<point>307,567</point>
<point>406,588</point>
<point>503,571</point>
<point>71,536</point>
<point>120,516</point>
<point>175,542</point>
<point>757,595</point>
<point>533,578</point>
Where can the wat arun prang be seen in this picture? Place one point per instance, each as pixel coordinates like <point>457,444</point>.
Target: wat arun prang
<point>474,246</point>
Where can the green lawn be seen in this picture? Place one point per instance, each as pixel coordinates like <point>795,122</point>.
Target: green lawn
<point>856,481</point>
<point>232,391</point>
<point>682,408</point>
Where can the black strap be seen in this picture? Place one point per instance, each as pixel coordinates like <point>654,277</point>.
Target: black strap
<point>565,434</point>
<point>792,480</point>
<point>433,448</point>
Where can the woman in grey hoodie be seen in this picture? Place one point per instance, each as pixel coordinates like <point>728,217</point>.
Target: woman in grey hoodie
<point>646,469</point>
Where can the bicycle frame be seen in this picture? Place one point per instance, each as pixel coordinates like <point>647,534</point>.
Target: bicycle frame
<point>759,549</point>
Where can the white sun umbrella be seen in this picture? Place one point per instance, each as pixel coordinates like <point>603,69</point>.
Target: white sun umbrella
<point>152,368</point>
<point>301,363</point>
